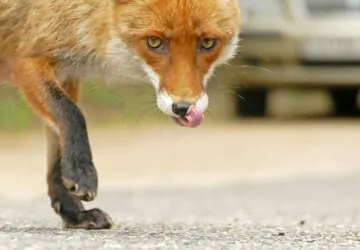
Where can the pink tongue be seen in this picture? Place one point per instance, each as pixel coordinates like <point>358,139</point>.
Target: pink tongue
<point>193,117</point>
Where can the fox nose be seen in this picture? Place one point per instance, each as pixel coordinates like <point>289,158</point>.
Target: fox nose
<point>181,108</point>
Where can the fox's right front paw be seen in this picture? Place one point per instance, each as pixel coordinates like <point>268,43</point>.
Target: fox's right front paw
<point>80,177</point>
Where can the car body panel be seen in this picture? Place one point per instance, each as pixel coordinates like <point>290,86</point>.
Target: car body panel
<point>299,49</point>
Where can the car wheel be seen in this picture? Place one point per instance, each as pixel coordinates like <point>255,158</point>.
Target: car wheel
<point>345,101</point>
<point>251,102</point>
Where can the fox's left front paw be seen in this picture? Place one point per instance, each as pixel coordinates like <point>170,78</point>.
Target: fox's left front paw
<point>80,177</point>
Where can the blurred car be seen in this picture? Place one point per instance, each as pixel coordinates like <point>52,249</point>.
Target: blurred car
<point>299,43</point>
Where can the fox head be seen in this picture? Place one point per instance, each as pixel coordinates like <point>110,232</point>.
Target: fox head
<point>179,43</point>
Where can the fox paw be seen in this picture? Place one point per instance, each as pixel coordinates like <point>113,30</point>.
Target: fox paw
<point>89,219</point>
<point>80,178</point>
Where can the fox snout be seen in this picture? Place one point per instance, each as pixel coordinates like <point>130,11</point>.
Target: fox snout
<point>189,115</point>
<point>184,112</point>
<point>181,108</point>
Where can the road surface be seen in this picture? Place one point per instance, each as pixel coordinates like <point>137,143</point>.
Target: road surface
<point>250,185</point>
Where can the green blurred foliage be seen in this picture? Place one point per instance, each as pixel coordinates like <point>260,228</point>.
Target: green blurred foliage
<point>14,112</point>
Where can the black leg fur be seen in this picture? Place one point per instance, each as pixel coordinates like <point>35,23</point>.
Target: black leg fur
<point>78,172</point>
<point>68,207</point>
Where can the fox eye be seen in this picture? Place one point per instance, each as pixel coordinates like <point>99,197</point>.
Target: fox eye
<point>207,44</point>
<point>154,43</point>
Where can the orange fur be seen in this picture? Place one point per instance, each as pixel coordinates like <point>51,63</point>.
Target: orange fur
<point>27,74</point>
<point>183,23</point>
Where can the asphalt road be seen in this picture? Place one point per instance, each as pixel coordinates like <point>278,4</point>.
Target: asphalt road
<point>305,214</point>
<point>251,205</point>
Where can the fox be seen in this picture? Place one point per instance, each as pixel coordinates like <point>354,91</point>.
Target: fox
<point>48,48</point>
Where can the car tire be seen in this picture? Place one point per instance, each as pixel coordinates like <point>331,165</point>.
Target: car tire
<point>345,101</point>
<point>251,102</point>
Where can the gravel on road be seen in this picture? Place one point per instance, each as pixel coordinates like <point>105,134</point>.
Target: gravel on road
<point>306,214</point>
